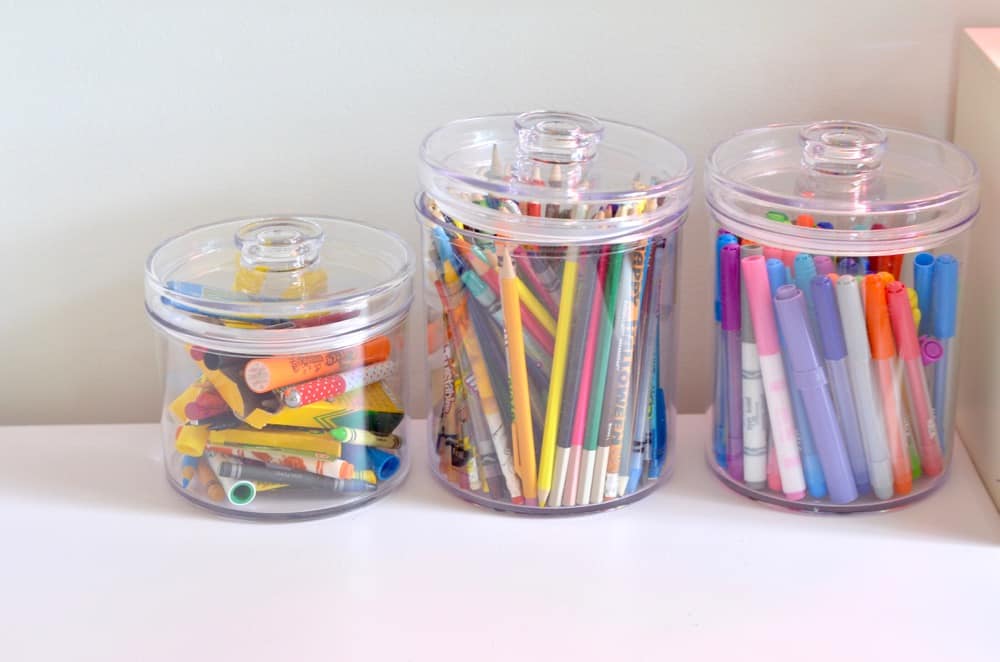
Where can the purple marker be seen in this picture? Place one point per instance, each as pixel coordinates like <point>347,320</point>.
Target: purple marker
<point>730,299</point>
<point>824,264</point>
<point>848,266</point>
<point>809,379</point>
<point>835,354</point>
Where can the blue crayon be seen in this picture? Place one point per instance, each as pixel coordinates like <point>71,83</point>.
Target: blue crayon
<point>189,468</point>
<point>815,482</point>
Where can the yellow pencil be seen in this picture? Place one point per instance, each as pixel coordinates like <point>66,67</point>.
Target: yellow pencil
<point>558,378</point>
<point>535,307</point>
<point>524,436</point>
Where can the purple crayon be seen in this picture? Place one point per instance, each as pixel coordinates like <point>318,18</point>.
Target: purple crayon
<point>808,378</point>
<point>730,299</point>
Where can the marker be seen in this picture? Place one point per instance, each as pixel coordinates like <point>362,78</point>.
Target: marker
<point>944,304</point>
<point>923,283</point>
<point>246,471</point>
<point>777,276</point>
<point>883,354</point>
<point>901,316</point>
<point>808,377</point>
<point>363,437</point>
<point>239,492</point>
<point>755,447</point>
<point>873,430</point>
<point>266,374</point>
<point>719,410</point>
<point>835,354</point>
<point>330,386</point>
<point>730,295</point>
<point>775,388</point>
<point>824,265</point>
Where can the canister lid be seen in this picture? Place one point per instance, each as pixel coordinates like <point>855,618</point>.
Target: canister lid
<point>883,191</point>
<point>544,176</point>
<point>279,284</point>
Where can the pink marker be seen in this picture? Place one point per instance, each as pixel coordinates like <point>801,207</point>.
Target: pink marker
<point>779,406</point>
<point>583,396</point>
<point>908,345</point>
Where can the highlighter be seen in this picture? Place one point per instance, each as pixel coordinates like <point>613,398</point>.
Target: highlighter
<point>810,380</point>
<point>901,316</point>
<point>778,276</point>
<point>773,371</point>
<point>883,349</point>
<point>835,357</point>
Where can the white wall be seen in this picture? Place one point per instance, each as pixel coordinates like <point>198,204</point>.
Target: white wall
<point>122,124</point>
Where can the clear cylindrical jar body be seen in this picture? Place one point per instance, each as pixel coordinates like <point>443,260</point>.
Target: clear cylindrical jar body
<point>236,445</point>
<point>284,360</point>
<point>838,284</point>
<point>594,364</point>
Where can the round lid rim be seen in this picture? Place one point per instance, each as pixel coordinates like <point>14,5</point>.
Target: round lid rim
<point>716,177</point>
<point>288,307</point>
<point>548,193</point>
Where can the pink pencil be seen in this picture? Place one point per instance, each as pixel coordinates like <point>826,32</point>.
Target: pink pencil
<point>583,396</point>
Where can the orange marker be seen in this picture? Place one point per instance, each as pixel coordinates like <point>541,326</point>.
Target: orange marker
<point>268,374</point>
<point>883,355</point>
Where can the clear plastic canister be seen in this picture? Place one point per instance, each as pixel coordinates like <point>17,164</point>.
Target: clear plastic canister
<point>282,343</point>
<point>550,250</point>
<point>839,261</point>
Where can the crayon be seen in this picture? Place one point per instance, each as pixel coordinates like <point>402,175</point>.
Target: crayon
<point>317,463</point>
<point>209,480</point>
<point>189,465</point>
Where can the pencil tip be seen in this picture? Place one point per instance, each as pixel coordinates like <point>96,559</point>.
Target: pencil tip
<point>543,497</point>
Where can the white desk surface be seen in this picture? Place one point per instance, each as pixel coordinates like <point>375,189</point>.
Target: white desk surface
<point>102,561</point>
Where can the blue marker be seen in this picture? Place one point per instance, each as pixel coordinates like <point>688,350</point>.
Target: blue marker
<point>718,411</point>
<point>385,465</point>
<point>944,305</point>
<point>848,266</point>
<point>815,482</point>
<point>923,283</point>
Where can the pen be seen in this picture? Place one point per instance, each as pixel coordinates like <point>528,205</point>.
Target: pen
<point>755,447</point>
<point>777,276</point>
<point>901,316</point>
<point>835,355</point>
<point>883,353</point>
<point>773,372</point>
<point>944,303</point>
<point>734,362</point>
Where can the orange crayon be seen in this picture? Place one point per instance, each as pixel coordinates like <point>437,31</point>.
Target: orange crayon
<point>208,478</point>
<point>267,374</point>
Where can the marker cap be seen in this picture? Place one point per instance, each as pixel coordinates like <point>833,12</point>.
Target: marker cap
<point>877,315</point>
<point>944,296</point>
<point>803,361</point>
<point>759,295</point>
<point>828,319</point>
<point>901,315</point>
